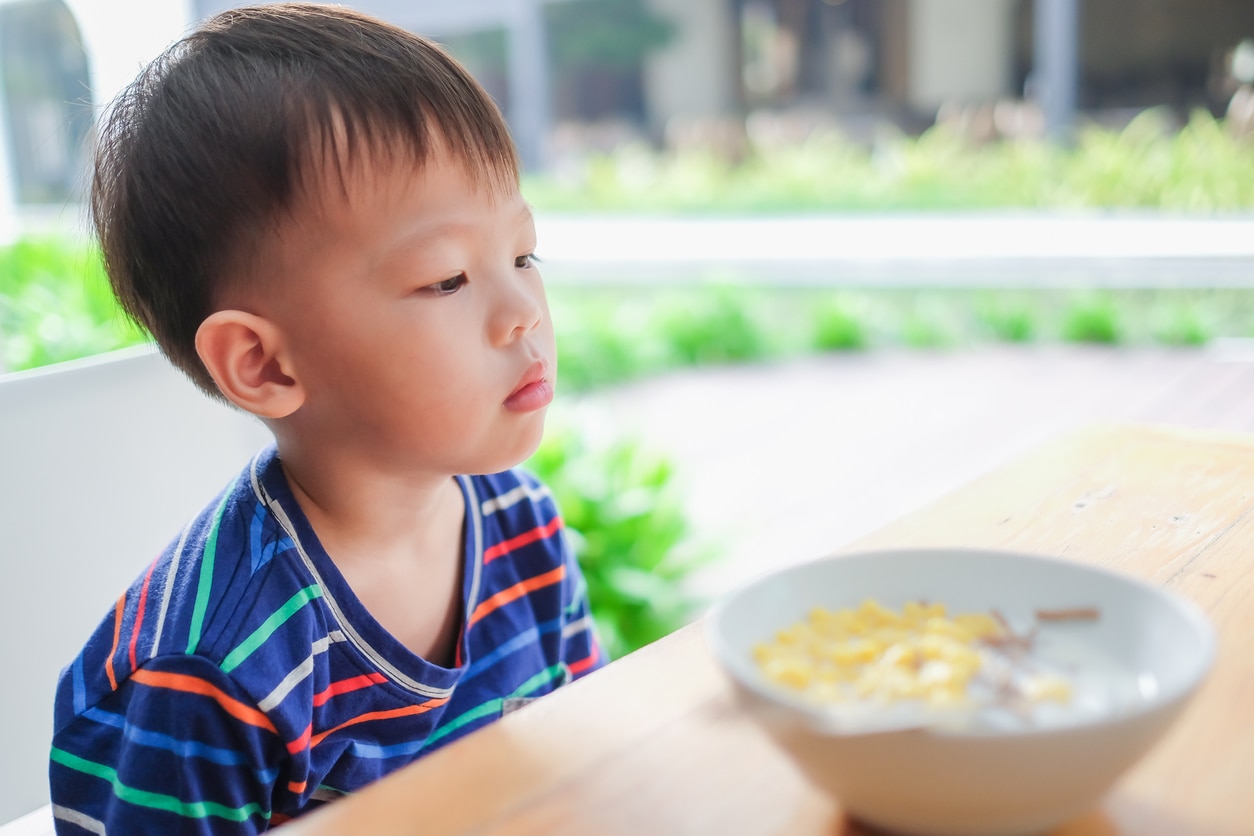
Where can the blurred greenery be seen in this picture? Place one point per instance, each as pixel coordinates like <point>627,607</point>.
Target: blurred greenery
<point>655,330</point>
<point>55,305</point>
<point>625,520</point>
<point>1202,168</point>
<point>619,499</point>
<point>1093,319</point>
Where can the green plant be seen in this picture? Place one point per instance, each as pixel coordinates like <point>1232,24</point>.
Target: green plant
<point>1183,325</point>
<point>1093,320</point>
<point>1008,321</point>
<point>838,328</point>
<point>711,325</point>
<point>624,516</point>
<point>924,325</point>
<point>1200,169</point>
<point>55,305</point>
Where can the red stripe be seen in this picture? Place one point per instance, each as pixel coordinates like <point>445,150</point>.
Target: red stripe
<point>346,685</point>
<point>538,533</point>
<point>118,612</point>
<point>588,661</point>
<point>301,742</point>
<point>518,590</point>
<point>139,613</point>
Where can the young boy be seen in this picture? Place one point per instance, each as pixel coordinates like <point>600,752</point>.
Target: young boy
<point>317,216</point>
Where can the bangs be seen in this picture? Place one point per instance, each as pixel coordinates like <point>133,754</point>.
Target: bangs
<point>341,120</point>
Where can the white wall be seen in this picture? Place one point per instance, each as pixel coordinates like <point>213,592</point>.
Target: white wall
<point>121,36</point>
<point>960,51</point>
<point>101,463</point>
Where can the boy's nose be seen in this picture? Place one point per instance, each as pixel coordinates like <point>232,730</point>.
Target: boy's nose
<point>519,309</point>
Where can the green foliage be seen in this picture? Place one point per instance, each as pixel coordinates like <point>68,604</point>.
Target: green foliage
<point>1202,168</point>
<point>925,325</point>
<point>606,339</point>
<point>1093,320</point>
<point>1184,324</point>
<point>715,325</point>
<point>55,305</point>
<point>624,517</point>
<point>837,327</point>
<point>1007,321</point>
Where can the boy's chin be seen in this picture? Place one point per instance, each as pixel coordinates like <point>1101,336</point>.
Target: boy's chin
<point>523,450</point>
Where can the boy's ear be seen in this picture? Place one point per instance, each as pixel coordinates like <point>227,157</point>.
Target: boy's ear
<point>248,359</point>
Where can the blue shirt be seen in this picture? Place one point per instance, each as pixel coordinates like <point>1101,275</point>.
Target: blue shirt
<point>239,682</point>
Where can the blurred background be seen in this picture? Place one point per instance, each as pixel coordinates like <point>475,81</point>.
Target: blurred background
<point>813,263</point>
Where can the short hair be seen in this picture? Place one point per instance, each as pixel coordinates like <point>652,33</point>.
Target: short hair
<point>214,141</point>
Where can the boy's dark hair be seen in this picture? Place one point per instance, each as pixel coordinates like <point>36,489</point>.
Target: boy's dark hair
<point>211,145</point>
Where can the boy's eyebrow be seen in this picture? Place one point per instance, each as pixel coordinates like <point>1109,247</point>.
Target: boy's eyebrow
<point>448,228</point>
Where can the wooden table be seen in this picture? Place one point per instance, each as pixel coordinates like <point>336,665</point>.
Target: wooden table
<point>653,744</point>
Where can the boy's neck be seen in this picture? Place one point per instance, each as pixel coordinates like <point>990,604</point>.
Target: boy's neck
<point>397,540</point>
<point>362,512</point>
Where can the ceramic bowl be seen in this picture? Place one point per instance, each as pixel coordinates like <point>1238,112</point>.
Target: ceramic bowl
<point>973,780</point>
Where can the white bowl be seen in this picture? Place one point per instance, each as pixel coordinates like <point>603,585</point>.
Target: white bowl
<point>935,781</point>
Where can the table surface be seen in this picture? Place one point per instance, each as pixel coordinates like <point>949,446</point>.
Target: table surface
<point>654,742</point>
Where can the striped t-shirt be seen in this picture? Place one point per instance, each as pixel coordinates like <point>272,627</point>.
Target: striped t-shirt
<point>240,682</point>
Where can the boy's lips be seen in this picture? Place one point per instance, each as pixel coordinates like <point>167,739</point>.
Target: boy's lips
<point>533,392</point>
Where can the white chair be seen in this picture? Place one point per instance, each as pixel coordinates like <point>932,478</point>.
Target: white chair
<point>101,463</point>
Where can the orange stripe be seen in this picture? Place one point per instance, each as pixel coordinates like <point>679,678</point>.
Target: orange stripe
<point>298,788</point>
<point>195,685</point>
<point>538,533</point>
<point>118,611</point>
<point>588,661</point>
<point>346,685</point>
<point>516,591</point>
<point>139,614</point>
<point>379,715</point>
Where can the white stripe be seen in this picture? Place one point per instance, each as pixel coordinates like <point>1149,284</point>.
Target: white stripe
<point>169,590</point>
<point>354,638</point>
<point>294,677</point>
<point>323,794</point>
<point>576,627</point>
<point>512,497</point>
<point>81,819</point>
<point>474,509</point>
<point>298,673</point>
<point>331,638</point>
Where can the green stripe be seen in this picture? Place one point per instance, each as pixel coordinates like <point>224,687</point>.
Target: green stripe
<point>267,628</point>
<point>490,707</point>
<point>206,574</point>
<point>157,801</point>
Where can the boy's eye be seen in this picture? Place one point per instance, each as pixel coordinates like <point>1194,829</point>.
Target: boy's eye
<point>525,262</point>
<point>451,285</point>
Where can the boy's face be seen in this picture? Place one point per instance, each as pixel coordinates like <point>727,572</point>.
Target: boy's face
<point>416,319</point>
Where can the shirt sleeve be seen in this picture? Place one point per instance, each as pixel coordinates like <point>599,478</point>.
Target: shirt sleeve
<point>175,748</point>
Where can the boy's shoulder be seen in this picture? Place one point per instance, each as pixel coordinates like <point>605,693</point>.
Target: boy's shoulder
<point>209,592</point>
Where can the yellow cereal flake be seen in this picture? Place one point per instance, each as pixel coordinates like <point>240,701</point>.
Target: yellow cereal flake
<point>877,653</point>
<point>1048,687</point>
